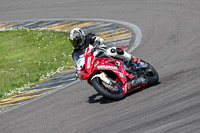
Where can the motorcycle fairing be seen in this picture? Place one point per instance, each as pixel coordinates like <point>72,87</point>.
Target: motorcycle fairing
<point>94,64</point>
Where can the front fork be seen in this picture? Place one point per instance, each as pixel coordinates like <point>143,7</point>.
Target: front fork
<point>103,76</point>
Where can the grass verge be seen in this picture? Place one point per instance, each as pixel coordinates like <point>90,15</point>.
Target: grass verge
<point>28,56</point>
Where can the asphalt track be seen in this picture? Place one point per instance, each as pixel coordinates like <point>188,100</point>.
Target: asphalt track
<point>171,43</point>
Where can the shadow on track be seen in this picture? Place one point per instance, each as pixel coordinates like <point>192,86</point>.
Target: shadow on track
<point>98,98</point>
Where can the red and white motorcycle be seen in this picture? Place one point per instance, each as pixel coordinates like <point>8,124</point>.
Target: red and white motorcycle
<point>108,75</point>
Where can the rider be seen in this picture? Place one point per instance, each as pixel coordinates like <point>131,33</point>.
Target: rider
<point>80,42</point>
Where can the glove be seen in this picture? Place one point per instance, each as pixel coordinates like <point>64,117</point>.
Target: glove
<point>98,41</point>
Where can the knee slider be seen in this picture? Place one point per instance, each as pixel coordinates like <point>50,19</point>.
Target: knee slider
<point>120,51</point>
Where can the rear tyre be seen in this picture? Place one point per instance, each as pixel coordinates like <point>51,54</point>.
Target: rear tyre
<point>151,74</point>
<point>114,93</point>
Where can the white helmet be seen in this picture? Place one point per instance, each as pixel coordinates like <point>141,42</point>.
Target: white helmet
<point>77,37</point>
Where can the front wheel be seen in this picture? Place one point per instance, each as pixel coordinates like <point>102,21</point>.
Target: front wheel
<point>114,92</point>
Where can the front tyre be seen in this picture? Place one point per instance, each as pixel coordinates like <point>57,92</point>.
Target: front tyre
<point>114,92</point>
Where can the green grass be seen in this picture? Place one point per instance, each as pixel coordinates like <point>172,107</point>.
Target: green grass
<point>29,56</point>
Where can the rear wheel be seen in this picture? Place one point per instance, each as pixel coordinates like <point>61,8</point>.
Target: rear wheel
<point>114,92</point>
<point>151,74</point>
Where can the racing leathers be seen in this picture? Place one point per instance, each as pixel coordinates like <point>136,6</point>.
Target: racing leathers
<point>112,51</point>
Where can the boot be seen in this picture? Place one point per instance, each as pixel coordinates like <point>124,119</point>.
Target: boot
<point>135,60</point>
<point>137,63</point>
<point>142,65</point>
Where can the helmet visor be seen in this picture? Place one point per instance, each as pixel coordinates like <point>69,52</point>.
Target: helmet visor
<point>75,43</point>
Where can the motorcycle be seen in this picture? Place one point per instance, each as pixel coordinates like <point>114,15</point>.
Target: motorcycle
<point>108,75</point>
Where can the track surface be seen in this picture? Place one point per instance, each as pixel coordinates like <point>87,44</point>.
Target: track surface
<point>171,43</point>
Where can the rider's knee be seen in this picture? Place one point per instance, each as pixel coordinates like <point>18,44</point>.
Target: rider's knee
<point>115,51</point>
<point>112,51</point>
